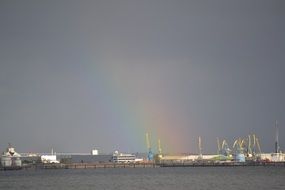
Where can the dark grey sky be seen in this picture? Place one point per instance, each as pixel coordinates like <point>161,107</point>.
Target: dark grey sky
<point>81,74</point>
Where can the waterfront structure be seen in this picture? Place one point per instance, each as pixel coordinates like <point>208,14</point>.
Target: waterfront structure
<point>49,159</point>
<point>10,158</point>
<point>277,157</point>
<point>125,158</point>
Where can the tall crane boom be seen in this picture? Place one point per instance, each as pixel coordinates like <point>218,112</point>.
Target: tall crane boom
<point>249,149</point>
<point>159,147</point>
<point>258,145</point>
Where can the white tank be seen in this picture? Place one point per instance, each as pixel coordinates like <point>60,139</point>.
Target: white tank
<point>17,162</point>
<point>6,161</point>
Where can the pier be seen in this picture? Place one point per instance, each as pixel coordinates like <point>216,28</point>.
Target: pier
<point>91,165</point>
<point>221,164</point>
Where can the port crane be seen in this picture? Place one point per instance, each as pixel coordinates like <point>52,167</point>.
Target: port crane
<point>255,144</point>
<point>148,143</point>
<point>238,145</point>
<point>225,148</point>
<point>248,147</point>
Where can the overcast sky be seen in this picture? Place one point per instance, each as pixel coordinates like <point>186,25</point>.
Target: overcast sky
<point>77,75</point>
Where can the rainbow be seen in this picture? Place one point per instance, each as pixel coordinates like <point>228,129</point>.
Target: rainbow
<point>134,118</point>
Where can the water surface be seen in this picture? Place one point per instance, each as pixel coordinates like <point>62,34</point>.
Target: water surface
<point>249,178</point>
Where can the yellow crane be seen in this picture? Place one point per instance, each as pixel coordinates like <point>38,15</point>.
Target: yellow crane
<point>238,145</point>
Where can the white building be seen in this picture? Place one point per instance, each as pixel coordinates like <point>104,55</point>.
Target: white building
<point>272,157</point>
<point>124,158</point>
<point>94,152</point>
<point>49,159</point>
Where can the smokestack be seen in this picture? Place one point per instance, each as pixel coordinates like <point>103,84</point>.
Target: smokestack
<point>277,137</point>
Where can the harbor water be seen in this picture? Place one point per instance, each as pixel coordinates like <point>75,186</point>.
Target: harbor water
<point>220,178</point>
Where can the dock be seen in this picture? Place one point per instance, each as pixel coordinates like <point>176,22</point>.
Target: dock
<point>110,165</point>
<point>151,165</point>
<point>220,164</point>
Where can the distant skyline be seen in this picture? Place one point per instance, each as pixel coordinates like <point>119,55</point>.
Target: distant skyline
<point>78,75</point>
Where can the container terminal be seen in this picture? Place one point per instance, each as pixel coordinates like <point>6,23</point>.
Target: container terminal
<point>124,160</point>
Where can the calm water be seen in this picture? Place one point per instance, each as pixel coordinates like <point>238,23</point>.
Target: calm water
<point>228,178</point>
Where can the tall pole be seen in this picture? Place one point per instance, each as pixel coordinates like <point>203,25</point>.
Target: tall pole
<point>200,147</point>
